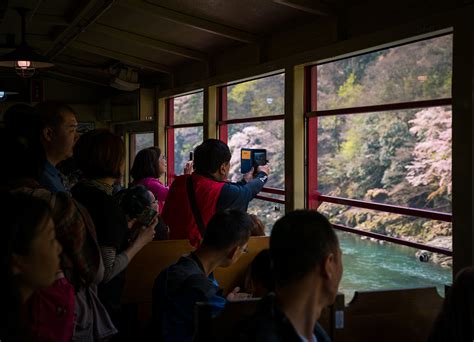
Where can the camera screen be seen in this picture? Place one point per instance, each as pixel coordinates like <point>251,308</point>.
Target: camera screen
<point>147,216</point>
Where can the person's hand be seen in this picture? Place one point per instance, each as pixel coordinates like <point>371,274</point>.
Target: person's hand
<point>236,295</point>
<point>188,167</point>
<point>147,233</point>
<point>249,175</point>
<point>264,168</point>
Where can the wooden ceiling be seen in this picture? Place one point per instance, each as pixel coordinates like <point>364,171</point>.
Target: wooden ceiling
<point>162,39</point>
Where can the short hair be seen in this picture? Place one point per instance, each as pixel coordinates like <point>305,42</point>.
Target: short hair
<point>146,164</point>
<point>261,270</point>
<point>99,154</point>
<point>227,228</point>
<point>51,113</point>
<point>210,155</point>
<point>134,200</point>
<point>299,241</point>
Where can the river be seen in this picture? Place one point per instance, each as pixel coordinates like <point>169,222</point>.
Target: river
<point>369,265</point>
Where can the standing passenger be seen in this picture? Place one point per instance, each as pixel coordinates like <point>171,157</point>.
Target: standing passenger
<point>100,157</point>
<point>307,265</point>
<point>58,132</point>
<point>208,190</point>
<point>29,260</point>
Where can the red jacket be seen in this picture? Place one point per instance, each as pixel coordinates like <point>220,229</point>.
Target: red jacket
<point>177,212</point>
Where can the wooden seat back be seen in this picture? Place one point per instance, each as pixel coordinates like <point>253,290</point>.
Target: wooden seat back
<point>391,315</point>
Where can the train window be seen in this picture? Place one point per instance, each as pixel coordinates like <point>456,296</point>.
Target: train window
<point>251,114</point>
<point>379,159</point>
<point>141,141</point>
<point>184,128</point>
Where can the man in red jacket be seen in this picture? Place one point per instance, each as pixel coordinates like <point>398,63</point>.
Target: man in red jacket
<point>208,189</point>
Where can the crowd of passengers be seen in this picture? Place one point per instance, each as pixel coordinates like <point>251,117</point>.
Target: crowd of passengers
<point>67,240</point>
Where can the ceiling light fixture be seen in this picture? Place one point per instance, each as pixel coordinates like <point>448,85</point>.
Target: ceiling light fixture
<point>24,59</point>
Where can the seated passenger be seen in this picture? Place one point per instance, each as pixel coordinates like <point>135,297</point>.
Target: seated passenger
<point>208,190</point>
<point>135,202</point>
<point>100,157</point>
<point>456,319</point>
<point>30,260</point>
<point>259,278</point>
<point>308,268</point>
<point>190,280</point>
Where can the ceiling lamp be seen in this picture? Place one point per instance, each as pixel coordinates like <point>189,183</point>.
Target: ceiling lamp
<point>24,59</point>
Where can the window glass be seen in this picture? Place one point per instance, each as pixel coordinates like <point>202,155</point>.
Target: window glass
<point>413,72</point>
<point>185,140</point>
<point>260,97</point>
<point>267,212</point>
<point>401,157</point>
<point>268,135</point>
<point>188,109</point>
<point>143,140</point>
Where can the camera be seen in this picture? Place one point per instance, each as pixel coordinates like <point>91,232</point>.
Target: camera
<point>251,157</point>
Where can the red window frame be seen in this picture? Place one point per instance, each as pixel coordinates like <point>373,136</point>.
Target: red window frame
<point>169,128</point>
<point>222,127</point>
<point>314,198</point>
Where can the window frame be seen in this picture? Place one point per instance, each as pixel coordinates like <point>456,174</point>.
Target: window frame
<point>170,134</point>
<point>314,198</point>
<point>223,132</point>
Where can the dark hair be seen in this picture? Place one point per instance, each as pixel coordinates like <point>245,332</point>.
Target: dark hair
<point>134,200</point>
<point>227,228</point>
<point>20,144</point>
<point>146,164</point>
<point>456,319</point>
<point>99,154</point>
<point>21,215</point>
<point>210,155</point>
<point>261,270</point>
<point>258,228</point>
<point>51,113</point>
<point>300,240</point>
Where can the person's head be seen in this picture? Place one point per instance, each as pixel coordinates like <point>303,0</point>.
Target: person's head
<point>304,245</point>
<point>135,200</point>
<point>30,251</point>
<point>20,145</point>
<point>456,319</point>
<point>227,234</point>
<point>258,228</point>
<point>58,130</point>
<point>212,157</point>
<point>149,162</point>
<point>261,280</point>
<point>100,154</point>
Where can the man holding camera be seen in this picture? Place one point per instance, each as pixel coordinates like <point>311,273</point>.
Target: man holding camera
<point>193,199</point>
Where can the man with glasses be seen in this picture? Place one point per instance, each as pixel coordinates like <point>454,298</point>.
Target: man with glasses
<point>179,287</point>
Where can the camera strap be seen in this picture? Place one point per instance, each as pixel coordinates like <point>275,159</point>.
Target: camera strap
<point>194,207</point>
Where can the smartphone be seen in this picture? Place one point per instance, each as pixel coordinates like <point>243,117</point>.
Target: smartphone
<point>191,156</point>
<point>146,216</point>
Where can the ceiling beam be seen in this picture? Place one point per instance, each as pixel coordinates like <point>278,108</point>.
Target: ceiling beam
<point>310,6</point>
<point>149,9</point>
<point>127,59</point>
<point>59,74</point>
<point>87,16</point>
<point>149,42</point>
